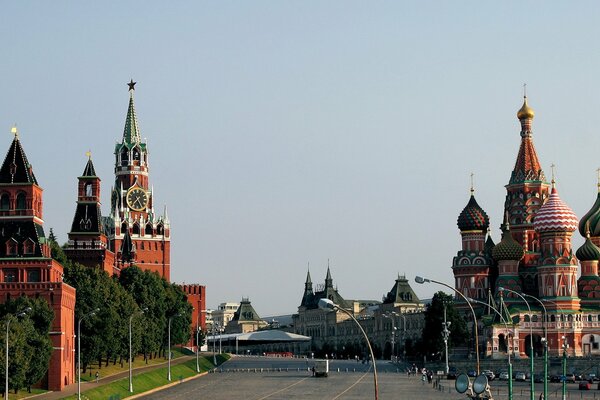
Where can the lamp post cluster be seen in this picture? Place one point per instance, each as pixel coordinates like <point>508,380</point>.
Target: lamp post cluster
<point>544,340</point>
<point>91,314</point>
<point>446,335</point>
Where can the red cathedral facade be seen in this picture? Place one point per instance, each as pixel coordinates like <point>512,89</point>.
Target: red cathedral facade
<point>534,261</point>
<point>132,233</point>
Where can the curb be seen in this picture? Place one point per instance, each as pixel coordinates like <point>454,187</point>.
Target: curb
<point>158,389</point>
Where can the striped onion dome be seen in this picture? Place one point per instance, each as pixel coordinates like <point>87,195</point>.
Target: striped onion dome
<point>472,217</point>
<point>555,215</point>
<point>588,251</point>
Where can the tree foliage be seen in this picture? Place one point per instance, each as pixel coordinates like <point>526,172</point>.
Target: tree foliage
<point>30,347</point>
<point>433,341</point>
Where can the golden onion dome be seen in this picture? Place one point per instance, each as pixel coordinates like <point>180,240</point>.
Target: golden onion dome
<point>525,112</point>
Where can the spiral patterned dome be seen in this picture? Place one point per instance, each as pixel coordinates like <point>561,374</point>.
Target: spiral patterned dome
<point>588,251</point>
<point>593,218</point>
<point>508,248</point>
<point>555,216</point>
<point>472,217</point>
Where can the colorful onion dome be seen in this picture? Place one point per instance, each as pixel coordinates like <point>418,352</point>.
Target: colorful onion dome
<point>555,215</point>
<point>592,218</point>
<point>472,217</point>
<point>588,251</point>
<point>525,112</point>
<point>508,248</point>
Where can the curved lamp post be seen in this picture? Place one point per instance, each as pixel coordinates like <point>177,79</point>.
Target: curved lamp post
<point>422,280</point>
<point>392,316</point>
<point>327,304</point>
<point>545,342</point>
<point>130,350</point>
<point>8,319</point>
<point>90,314</point>
<point>532,388</point>
<point>510,383</point>
<point>565,345</point>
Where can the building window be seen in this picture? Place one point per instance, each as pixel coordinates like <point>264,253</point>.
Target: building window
<point>136,229</point>
<point>21,201</point>
<point>4,202</point>
<point>33,275</point>
<point>12,248</point>
<point>28,246</point>
<point>148,229</point>
<point>10,275</point>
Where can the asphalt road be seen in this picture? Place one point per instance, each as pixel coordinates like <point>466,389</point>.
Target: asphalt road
<point>257,378</point>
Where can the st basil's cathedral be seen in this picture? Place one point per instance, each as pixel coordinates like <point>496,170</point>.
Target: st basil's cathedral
<point>534,262</point>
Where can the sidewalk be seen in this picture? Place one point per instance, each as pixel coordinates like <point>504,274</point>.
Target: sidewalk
<point>72,389</point>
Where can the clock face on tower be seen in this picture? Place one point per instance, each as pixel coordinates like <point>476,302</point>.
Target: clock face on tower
<point>137,199</point>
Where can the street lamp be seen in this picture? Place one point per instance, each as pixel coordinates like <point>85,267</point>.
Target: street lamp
<point>510,383</point>
<point>90,314</point>
<point>169,347</point>
<point>532,388</point>
<point>198,340</point>
<point>545,342</point>
<point>392,316</point>
<point>565,346</point>
<point>8,319</point>
<point>422,280</point>
<point>446,335</point>
<point>130,350</point>
<point>327,304</point>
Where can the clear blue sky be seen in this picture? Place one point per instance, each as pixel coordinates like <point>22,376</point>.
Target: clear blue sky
<point>283,132</point>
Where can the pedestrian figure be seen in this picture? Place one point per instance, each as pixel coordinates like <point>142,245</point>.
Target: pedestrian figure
<point>97,376</point>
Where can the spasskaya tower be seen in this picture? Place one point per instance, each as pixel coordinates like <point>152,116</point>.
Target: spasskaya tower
<point>137,234</point>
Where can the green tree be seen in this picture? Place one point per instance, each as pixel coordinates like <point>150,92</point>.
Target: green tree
<point>30,347</point>
<point>432,339</point>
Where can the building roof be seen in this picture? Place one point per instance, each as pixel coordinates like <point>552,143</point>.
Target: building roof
<point>16,168</point>
<point>270,335</point>
<point>472,217</point>
<point>555,215</point>
<point>401,292</point>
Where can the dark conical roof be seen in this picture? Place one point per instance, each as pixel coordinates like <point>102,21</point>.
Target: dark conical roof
<point>89,170</point>
<point>401,292</point>
<point>246,312</point>
<point>127,249</point>
<point>16,168</point>
<point>472,217</point>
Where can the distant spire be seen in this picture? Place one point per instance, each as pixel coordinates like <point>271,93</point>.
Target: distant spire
<point>598,171</point>
<point>14,131</point>
<point>328,279</point>
<point>131,133</point>
<point>553,176</point>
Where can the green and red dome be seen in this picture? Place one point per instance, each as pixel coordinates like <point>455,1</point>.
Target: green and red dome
<point>472,217</point>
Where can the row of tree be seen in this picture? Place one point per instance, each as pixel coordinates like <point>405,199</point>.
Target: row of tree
<point>106,304</point>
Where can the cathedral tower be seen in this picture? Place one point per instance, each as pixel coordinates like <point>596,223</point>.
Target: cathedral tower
<point>472,265</point>
<point>138,236</point>
<point>526,192</point>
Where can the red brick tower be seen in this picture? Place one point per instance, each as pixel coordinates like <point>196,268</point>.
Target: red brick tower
<point>138,235</point>
<point>26,265</point>
<point>527,191</point>
<point>88,244</point>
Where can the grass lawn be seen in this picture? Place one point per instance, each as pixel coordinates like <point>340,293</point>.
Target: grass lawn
<point>149,380</point>
<point>90,373</point>
<point>23,393</point>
